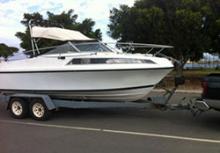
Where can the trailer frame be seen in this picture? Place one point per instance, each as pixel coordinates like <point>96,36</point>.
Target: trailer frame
<point>161,102</point>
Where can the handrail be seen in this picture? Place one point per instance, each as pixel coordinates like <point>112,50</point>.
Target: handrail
<point>142,44</point>
<point>111,48</point>
<point>170,58</point>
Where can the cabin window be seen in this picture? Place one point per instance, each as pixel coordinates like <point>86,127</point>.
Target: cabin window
<point>109,61</point>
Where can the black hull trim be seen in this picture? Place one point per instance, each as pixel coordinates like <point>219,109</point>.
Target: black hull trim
<point>61,71</point>
<point>70,91</point>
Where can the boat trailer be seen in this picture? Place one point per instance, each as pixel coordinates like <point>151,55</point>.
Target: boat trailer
<point>40,106</point>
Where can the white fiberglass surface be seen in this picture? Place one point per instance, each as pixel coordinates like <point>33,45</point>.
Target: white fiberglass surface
<point>117,61</point>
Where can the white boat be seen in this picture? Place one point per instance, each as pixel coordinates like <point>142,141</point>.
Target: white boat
<point>84,69</point>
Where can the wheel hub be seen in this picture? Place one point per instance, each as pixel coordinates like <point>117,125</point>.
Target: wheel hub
<point>38,110</point>
<point>17,108</point>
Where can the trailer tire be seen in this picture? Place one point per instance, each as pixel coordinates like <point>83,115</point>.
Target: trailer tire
<point>39,110</point>
<point>18,108</point>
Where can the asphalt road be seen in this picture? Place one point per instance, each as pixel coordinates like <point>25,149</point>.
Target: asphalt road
<point>112,131</point>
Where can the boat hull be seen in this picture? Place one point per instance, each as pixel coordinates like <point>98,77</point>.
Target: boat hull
<point>100,85</point>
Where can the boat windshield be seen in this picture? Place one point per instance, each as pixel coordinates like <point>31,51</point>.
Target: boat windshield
<point>79,47</point>
<point>90,47</point>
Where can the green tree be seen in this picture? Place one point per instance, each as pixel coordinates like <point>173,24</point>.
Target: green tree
<point>67,20</point>
<point>191,26</point>
<point>6,51</point>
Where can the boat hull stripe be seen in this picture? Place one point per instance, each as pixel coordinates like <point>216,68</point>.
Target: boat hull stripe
<point>52,91</point>
<point>61,71</point>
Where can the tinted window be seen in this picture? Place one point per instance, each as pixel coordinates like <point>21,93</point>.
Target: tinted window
<point>109,61</point>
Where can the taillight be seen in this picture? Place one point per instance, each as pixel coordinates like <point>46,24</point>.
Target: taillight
<point>205,88</point>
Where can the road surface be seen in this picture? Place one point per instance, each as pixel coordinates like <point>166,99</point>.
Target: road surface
<point>112,131</point>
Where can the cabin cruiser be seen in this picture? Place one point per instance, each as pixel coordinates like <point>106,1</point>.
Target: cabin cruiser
<point>85,69</point>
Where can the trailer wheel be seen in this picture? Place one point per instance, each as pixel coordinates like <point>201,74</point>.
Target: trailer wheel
<point>38,110</point>
<point>18,108</point>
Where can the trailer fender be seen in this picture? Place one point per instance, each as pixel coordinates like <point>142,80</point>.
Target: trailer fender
<point>49,103</point>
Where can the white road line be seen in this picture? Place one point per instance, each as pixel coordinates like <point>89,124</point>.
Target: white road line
<point>113,131</point>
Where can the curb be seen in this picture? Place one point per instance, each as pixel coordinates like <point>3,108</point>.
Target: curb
<point>180,91</point>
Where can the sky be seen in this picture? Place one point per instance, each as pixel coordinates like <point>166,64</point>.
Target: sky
<point>11,13</point>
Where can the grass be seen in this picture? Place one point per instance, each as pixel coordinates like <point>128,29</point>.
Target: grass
<point>196,73</point>
<point>199,73</point>
<point>193,79</point>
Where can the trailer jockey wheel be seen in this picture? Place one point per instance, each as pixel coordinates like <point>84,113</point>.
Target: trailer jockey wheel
<point>18,108</point>
<point>38,110</point>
